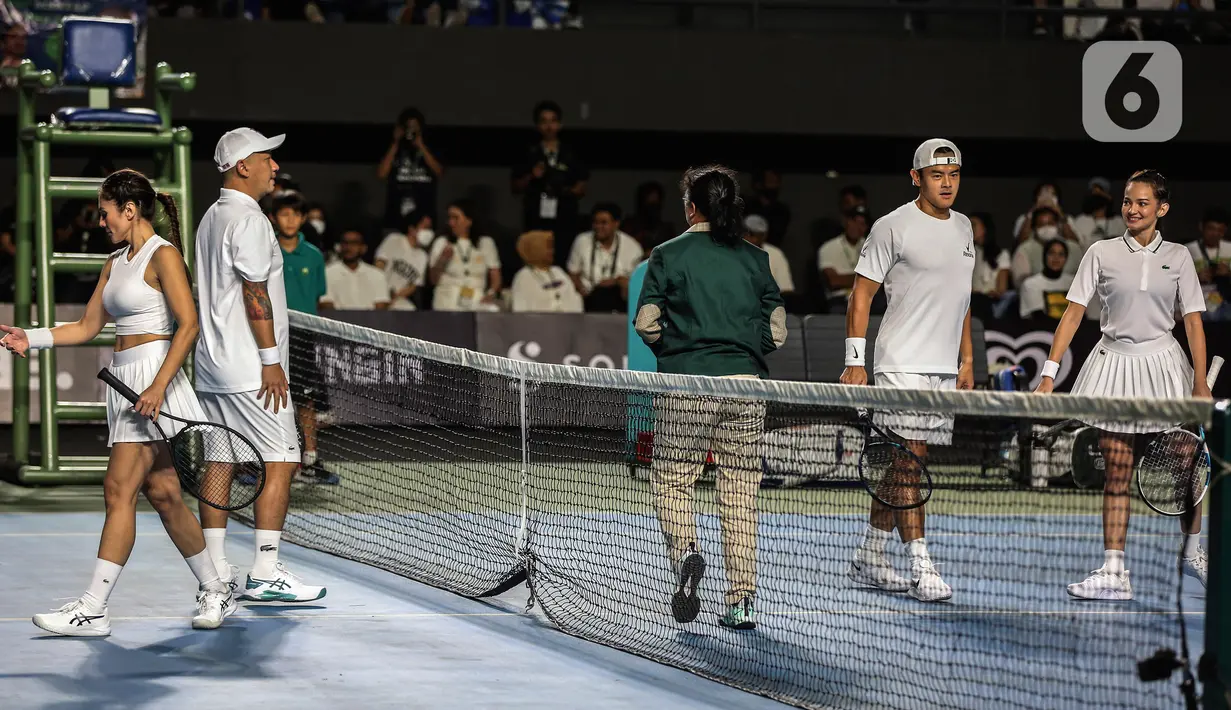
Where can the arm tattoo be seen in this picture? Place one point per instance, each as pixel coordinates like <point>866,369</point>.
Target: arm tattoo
<point>256,301</point>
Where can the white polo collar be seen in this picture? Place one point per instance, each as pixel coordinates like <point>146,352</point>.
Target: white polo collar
<point>242,197</point>
<point>1133,246</point>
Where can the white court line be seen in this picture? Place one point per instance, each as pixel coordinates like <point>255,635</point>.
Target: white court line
<point>297,617</point>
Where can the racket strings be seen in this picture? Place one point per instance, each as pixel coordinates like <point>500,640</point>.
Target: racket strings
<point>1173,472</point>
<point>223,468</point>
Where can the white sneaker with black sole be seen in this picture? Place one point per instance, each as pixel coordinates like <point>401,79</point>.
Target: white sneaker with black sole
<point>75,619</point>
<point>212,607</point>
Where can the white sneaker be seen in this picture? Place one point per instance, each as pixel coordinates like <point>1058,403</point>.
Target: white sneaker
<point>1197,566</point>
<point>212,608</point>
<point>283,586</point>
<point>876,571</point>
<point>1104,586</point>
<point>230,578</point>
<point>926,584</point>
<point>74,619</point>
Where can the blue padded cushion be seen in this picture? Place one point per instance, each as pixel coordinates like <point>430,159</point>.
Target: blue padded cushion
<point>85,116</point>
<point>99,52</point>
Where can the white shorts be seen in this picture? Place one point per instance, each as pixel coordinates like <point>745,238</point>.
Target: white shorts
<point>1158,368</point>
<point>929,427</point>
<point>275,436</point>
<point>137,367</point>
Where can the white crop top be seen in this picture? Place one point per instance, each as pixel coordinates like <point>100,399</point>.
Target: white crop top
<point>138,308</point>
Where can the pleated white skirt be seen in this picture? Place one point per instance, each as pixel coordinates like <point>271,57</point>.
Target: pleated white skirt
<point>137,367</point>
<point>1158,368</point>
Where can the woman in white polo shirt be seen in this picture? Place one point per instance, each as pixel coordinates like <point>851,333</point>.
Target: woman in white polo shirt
<point>1139,279</point>
<point>464,269</point>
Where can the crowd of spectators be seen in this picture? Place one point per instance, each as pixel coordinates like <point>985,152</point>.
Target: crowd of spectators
<point>571,258</point>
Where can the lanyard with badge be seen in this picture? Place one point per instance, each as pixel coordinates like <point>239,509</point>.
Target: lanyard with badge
<point>611,267</point>
<point>551,283</point>
<point>549,206</point>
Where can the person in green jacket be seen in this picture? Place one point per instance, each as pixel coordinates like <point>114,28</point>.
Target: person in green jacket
<point>710,306</point>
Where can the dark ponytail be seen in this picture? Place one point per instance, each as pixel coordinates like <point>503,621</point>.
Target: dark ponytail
<point>127,185</point>
<point>1156,181</point>
<point>715,192</point>
<point>173,219</point>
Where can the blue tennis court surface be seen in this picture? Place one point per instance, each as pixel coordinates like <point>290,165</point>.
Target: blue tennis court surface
<point>376,641</point>
<point>1010,638</point>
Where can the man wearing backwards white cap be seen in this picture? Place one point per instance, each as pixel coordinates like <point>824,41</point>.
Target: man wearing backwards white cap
<point>242,355</point>
<point>923,252</point>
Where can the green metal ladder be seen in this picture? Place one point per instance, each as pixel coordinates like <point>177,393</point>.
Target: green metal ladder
<point>36,187</point>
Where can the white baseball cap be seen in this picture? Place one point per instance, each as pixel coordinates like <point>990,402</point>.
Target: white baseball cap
<point>925,154</point>
<point>240,143</point>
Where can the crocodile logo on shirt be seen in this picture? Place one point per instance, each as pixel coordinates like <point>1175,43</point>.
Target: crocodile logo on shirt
<point>1166,267</point>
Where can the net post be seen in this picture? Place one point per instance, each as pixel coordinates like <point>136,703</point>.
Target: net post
<point>1217,661</point>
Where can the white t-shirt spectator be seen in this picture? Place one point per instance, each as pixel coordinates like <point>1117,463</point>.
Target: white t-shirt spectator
<point>1139,286</point>
<point>841,256</point>
<point>986,275</point>
<point>1040,293</point>
<point>1218,255</point>
<point>595,264</point>
<point>464,282</point>
<point>926,265</point>
<point>359,289</point>
<point>236,243</point>
<point>779,267</point>
<point>551,291</point>
<point>405,264</point>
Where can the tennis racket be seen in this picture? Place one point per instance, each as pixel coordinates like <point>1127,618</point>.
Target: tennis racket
<point>207,457</point>
<point>1085,457</point>
<point>1173,474</point>
<point>891,472</point>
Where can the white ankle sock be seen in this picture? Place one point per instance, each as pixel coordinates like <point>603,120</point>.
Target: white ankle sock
<point>216,545</point>
<point>1192,543</point>
<point>266,553</point>
<point>105,576</point>
<point>202,566</point>
<point>1113,561</point>
<point>309,457</point>
<point>874,541</point>
<point>918,551</point>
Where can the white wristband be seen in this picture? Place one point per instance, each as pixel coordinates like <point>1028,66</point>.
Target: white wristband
<point>40,338</point>
<point>270,356</point>
<point>854,351</point>
<point>1050,368</point>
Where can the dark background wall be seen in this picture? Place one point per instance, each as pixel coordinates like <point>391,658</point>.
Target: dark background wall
<point>645,102</point>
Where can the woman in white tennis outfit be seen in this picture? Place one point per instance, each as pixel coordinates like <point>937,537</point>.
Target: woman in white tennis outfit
<point>144,287</point>
<point>1139,278</point>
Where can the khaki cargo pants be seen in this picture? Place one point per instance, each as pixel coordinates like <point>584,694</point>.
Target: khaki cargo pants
<point>685,429</point>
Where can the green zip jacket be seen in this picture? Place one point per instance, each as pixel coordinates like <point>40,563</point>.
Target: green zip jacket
<point>709,309</point>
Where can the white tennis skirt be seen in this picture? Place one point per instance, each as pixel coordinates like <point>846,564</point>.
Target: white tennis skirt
<point>137,367</point>
<point>1158,368</point>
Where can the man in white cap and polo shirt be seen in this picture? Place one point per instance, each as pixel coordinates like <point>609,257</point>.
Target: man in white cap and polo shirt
<point>242,354</point>
<point>923,253</point>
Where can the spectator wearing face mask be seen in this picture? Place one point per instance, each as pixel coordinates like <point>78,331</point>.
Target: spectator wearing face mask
<point>402,256</point>
<point>1046,196</point>
<point>1028,260</point>
<point>1100,215</point>
<point>990,293</point>
<point>540,286</point>
<point>1043,295</point>
<point>315,230</point>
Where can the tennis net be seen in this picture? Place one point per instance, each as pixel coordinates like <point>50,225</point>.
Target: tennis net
<point>476,473</point>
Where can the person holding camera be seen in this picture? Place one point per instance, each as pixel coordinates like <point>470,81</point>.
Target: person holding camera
<point>410,171</point>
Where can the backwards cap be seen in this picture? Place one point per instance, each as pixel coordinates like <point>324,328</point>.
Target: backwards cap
<point>925,154</point>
